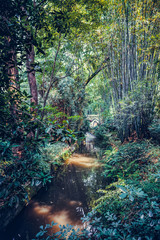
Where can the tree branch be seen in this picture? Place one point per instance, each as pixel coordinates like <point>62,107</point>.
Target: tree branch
<point>103,65</point>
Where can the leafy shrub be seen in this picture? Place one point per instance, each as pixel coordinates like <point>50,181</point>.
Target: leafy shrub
<point>24,159</point>
<point>130,159</point>
<point>85,127</point>
<point>102,136</point>
<point>65,232</point>
<point>129,209</point>
<point>51,153</point>
<point>33,167</point>
<point>154,129</point>
<point>125,212</point>
<point>17,173</point>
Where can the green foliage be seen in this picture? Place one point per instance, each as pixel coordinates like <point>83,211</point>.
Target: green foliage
<point>20,151</point>
<point>64,232</point>
<point>101,137</point>
<point>134,114</point>
<point>154,130</point>
<point>129,209</point>
<point>102,134</point>
<point>128,88</point>
<point>85,126</point>
<point>17,173</point>
<point>52,153</point>
<point>77,36</point>
<point>61,132</point>
<point>33,169</point>
<point>126,212</point>
<point>128,161</point>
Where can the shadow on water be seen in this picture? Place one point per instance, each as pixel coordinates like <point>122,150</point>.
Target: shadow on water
<point>64,201</point>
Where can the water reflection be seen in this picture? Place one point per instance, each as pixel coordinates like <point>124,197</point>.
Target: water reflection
<point>41,210</point>
<point>63,216</point>
<point>64,201</point>
<point>83,161</point>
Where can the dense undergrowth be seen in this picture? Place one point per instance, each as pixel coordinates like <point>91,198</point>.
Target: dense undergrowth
<point>33,169</point>
<point>28,147</point>
<point>129,207</point>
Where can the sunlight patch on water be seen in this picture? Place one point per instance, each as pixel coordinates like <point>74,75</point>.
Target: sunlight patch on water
<point>41,210</point>
<point>74,203</point>
<point>62,218</point>
<point>69,213</point>
<point>82,161</point>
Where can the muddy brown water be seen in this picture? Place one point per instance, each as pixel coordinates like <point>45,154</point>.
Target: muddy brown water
<point>65,200</point>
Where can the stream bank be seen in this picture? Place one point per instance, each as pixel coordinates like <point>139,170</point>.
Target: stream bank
<point>8,213</point>
<point>64,201</point>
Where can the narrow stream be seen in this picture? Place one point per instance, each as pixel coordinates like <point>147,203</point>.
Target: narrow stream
<point>64,201</point>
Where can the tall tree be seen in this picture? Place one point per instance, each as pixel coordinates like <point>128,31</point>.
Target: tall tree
<point>30,64</point>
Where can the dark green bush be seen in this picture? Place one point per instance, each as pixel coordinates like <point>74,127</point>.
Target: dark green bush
<point>154,130</point>
<point>102,136</point>
<point>125,213</point>
<point>129,160</point>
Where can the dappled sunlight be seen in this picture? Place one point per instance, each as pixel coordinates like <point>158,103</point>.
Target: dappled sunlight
<point>60,217</point>
<point>75,203</point>
<point>67,213</point>
<point>63,218</point>
<point>82,161</point>
<point>41,209</point>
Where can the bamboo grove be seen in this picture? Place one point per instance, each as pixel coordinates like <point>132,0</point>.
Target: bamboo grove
<point>130,38</point>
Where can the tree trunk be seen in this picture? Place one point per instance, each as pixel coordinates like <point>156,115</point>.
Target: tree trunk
<point>31,75</point>
<point>12,67</point>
